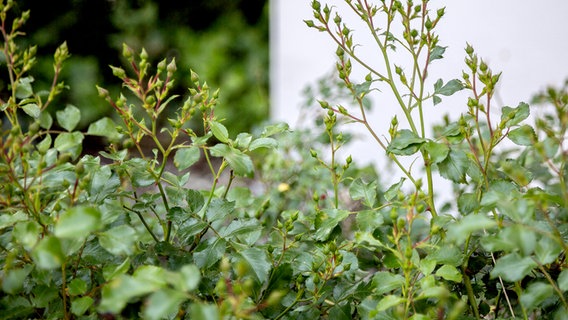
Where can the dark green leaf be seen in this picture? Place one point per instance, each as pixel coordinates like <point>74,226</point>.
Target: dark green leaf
<point>258,262</point>
<point>547,250</point>
<point>327,220</point>
<point>512,267</point>
<point>210,253</point>
<point>454,166</point>
<point>361,190</point>
<point>405,143</point>
<point>69,117</point>
<point>186,157</point>
<point>341,312</point>
<point>195,200</point>
<point>523,135</point>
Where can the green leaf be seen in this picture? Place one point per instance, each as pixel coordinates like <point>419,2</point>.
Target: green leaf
<point>219,131</point>
<point>119,240</point>
<point>450,273</point>
<point>69,142</point>
<point>240,163</point>
<point>69,117</point>
<point>384,282</point>
<point>27,233</point>
<point>195,200</point>
<point>326,221</point>
<point>121,290</point>
<point>389,302</point>
<point>449,88</point>
<point>523,136</point>
<point>268,143</point>
<point>45,144</point>
<point>340,312</point>
<point>202,311</point>
<point>191,276</point>
<point>162,303</point>
<point>405,143</point>
<point>512,267</point>
<point>437,53</point>
<point>78,223</point>
<point>243,140</point>
<point>258,262</point>
<point>48,253</point>
<point>210,252</point>
<point>104,127</point>
<point>361,190</point>
<point>80,305</point>
<point>45,120</point>
<point>186,157</point>
<point>111,270</point>
<point>438,151</point>
<point>13,279</point>
<point>32,110</point>
<point>24,88</point>
<point>467,203</point>
<point>76,287</point>
<point>547,250</point>
<point>516,172</point>
<point>454,166</point>
<point>393,190</point>
<point>369,220</point>
<point>513,116</point>
<point>563,280</point>
<point>461,230</point>
<point>535,294</point>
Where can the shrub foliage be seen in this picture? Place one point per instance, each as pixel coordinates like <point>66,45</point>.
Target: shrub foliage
<point>287,228</point>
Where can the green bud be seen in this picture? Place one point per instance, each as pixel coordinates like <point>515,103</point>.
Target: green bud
<point>126,51</point>
<point>316,5</point>
<point>369,77</point>
<point>118,72</point>
<point>309,23</point>
<point>143,54</point>
<point>313,153</point>
<point>103,93</point>
<point>337,19</point>
<point>172,66</point>
<point>428,24</point>
<point>33,128</point>
<point>162,65</point>
<point>469,49</point>
<point>483,66</point>
<point>440,12</point>
<point>339,52</point>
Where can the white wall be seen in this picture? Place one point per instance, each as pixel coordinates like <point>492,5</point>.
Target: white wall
<point>527,40</point>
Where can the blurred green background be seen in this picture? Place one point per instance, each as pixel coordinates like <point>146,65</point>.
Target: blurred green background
<point>224,41</point>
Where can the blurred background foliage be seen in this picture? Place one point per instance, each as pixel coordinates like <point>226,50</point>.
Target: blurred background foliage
<point>224,41</point>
